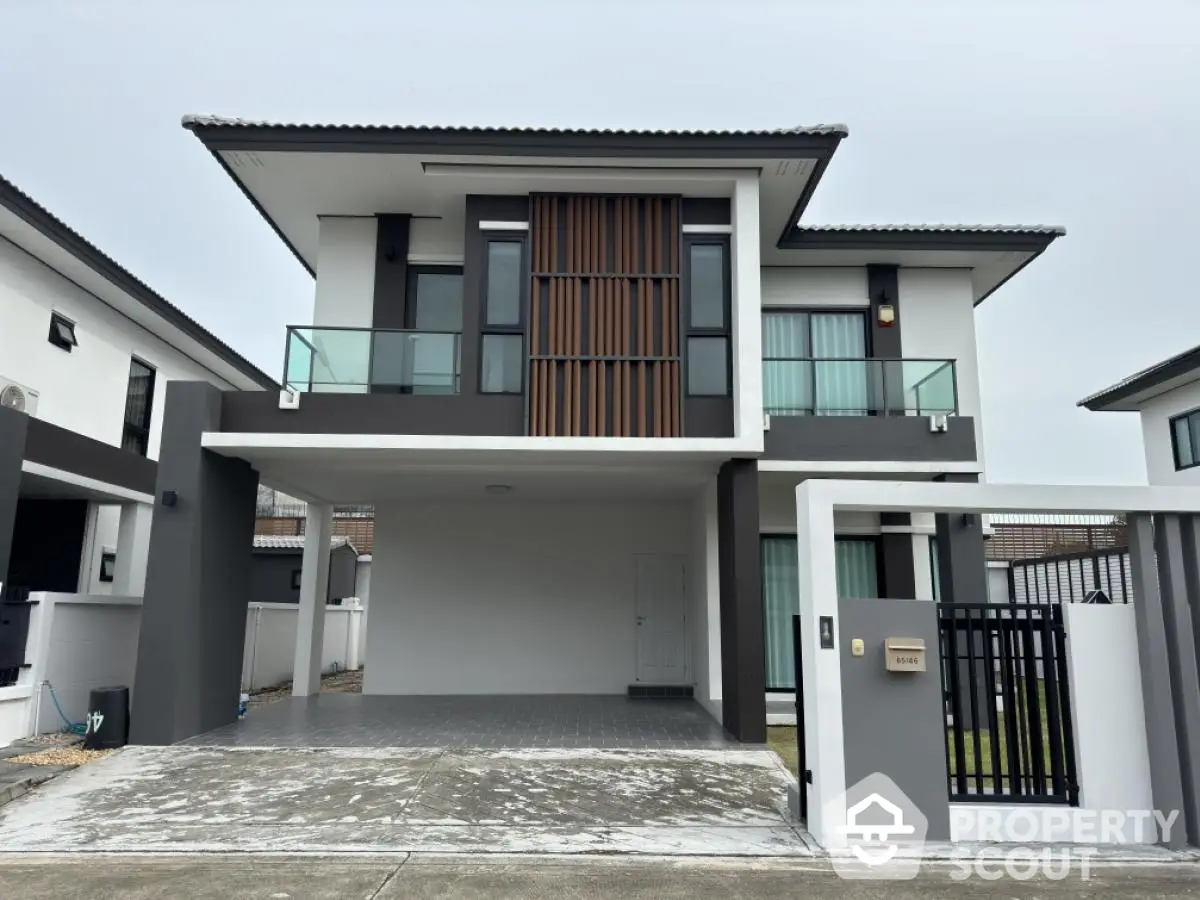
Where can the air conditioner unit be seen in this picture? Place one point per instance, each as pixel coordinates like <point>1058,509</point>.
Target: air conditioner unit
<point>18,396</point>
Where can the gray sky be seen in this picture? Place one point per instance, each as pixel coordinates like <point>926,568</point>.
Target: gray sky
<point>1084,114</point>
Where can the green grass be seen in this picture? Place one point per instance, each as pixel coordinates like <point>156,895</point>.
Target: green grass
<point>782,739</point>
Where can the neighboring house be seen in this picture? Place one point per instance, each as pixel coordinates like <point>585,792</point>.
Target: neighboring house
<point>86,353</point>
<point>277,562</point>
<point>579,375</point>
<point>1167,398</point>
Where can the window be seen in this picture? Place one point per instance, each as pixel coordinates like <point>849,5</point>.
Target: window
<point>1185,439</point>
<point>707,314</point>
<point>502,342</point>
<point>62,332</point>
<point>435,298</point>
<point>139,403</point>
<point>425,358</point>
<point>503,364</point>
<point>857,561</point>
<point>296,579</point>
<point>814,363</point>
<point>108,565</point>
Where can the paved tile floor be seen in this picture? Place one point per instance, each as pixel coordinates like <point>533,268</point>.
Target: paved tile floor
<point>498,721</point>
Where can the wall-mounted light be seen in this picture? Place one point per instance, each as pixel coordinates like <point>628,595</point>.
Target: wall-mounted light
<point>885,315</point>
<point>169,498</point>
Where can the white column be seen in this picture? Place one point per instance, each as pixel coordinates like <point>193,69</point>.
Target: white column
<point>133,546</point>
<point>314,586</point>
<point>747,312</point>
<point>823,731</point>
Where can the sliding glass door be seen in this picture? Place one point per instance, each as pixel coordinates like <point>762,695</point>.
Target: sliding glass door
<point>857,561</point>
<point>812,363</point>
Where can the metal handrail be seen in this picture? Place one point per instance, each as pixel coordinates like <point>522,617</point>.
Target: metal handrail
<point>872,405</point>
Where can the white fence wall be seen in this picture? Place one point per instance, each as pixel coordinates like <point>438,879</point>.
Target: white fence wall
<point>78,642</point>
<point>271,642</point>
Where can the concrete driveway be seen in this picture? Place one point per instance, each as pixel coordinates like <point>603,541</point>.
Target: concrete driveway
<point>662,802</point>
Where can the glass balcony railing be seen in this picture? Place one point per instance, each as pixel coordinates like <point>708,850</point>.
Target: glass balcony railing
<point>372,360</point>
<point>859,387</point>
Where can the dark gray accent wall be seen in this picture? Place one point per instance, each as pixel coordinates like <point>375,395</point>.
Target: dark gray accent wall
<point>705,211</point>
<point>391,271</point>
<point>864,438</point>
<point>258,411</point>
<point>883,286</point>
<point>60,448</point>
<point>272,575</point>
<point>198,578</point>
<point>896,559</point>
<point>708,416</point>
<point>14,427</point>
<point>743,662</point>
<point>894,722</point>
<point>962,563</point>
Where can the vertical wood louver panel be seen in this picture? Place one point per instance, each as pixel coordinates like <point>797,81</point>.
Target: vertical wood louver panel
<point>604,306</point>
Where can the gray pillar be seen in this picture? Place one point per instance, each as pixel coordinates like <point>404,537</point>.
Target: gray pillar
<point>197,579</point>
<point>743,662</point>
<point>13,428</point>
<point>883,288</point>
<point>962,564</point>
<point>1179,631</point>
<point>1165,772</point>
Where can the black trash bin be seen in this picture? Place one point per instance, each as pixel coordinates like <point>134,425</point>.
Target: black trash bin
<point>108,719</point>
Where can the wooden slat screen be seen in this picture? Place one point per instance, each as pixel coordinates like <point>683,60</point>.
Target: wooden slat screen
<point>605,324</point>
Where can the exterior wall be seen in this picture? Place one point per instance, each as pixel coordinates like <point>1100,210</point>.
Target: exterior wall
<point>83,390</point>
<point>345,289</point>
<point>1155,415</point>
<point>938,311</point>
<point>437,242</point>
<point>505,597</point>
<point>704,602</point>
<point>272,575</point>
<point>816,286</point>
<point>270,649</point>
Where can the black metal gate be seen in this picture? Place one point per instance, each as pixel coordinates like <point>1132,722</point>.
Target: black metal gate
<point>1009,736</point>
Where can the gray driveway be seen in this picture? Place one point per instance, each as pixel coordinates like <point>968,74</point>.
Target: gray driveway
<point>667,802</point>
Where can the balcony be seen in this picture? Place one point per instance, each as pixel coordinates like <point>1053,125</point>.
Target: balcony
<point>372,360</point>
<point>864,409</point>
<point>859,387</point>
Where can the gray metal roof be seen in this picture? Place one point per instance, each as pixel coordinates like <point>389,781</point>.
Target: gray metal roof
<point>36,215</point>
<point>1147,379</point>
<point>295,542</point>
<point>213,121</point>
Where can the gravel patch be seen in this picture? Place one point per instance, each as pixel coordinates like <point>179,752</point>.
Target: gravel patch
<point>334,683</point>
<point>58,756</point>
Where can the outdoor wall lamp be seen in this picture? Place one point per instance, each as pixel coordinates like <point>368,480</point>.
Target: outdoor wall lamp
<point>169,498</point>
<point>885,313</point>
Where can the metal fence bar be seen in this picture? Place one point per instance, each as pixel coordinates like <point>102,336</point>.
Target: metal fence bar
<point>1014,724</point>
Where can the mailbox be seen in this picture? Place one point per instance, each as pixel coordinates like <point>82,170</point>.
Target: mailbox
<point>901,654</point>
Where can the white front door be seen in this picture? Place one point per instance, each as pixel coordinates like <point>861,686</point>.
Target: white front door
<point>661,628</point>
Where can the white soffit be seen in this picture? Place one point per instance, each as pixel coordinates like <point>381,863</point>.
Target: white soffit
<point>295,188</point>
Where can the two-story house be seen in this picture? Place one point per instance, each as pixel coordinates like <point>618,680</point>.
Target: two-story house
<point>1167,398</point>
<point>579,375</point>
<point>86,353</point>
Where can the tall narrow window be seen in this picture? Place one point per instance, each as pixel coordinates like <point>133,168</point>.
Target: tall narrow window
<point>425,358</point>
<point>857,564</point>
<point>139,405</point>
<point>502,341</point>
<point>1185,439</point>
<point>707,315</point>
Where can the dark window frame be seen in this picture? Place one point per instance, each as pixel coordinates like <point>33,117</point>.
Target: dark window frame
<point>689,241</point>
<point>411,297</point>
<point>139,431</point>
<point>410,290</point>
<point>297,574</point>
<point>876,539</point>
<point>519,329</point>
<point>1192,415</point>
<point>58,324</point>
<point>864,312</point>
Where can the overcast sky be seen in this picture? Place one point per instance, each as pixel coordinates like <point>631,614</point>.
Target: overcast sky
<point>1084,114</point>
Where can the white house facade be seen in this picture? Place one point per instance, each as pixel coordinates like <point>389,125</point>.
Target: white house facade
<point>86,354</point>
<point>579,375</point>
